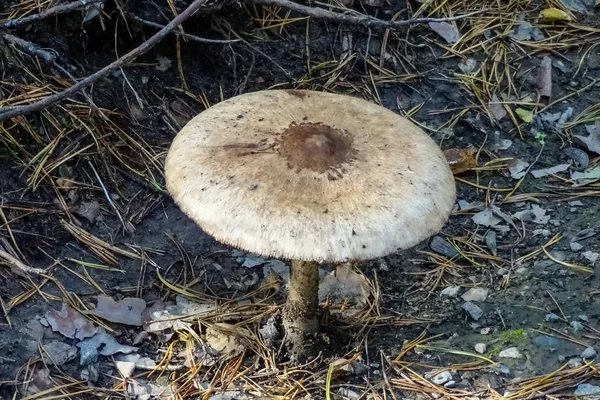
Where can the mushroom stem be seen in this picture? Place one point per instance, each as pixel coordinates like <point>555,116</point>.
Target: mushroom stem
<point>300,316</point>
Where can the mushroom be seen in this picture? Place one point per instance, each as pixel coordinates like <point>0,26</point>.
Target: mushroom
<point>310,177</point>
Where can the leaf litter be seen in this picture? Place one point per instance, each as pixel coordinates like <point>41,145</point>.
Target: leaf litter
<point>70,323</point>
<point>127,311</point>
<point>592,141</point>
<point>447,31</point>
<point>343,285</point>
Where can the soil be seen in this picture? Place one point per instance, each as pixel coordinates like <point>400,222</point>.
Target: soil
<point>514,313</point>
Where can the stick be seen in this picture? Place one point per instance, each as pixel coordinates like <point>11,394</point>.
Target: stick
<point>179,33</point>
<point>132,55</point>
<point>49,58</point>
<point>61,9</point>
<point>356,18</point>
<point>18,267</point>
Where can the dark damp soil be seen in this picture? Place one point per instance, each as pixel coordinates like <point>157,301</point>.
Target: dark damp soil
<point>515,314</point>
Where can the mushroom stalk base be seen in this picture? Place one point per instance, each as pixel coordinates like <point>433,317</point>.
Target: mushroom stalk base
<point>300,315</point>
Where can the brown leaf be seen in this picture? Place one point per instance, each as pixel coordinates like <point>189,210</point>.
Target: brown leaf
<point>446,30</point>
<point>544,81</point>
<point>127,311</point>
<point>460,160</point>
<point>497,109</point>
<point>592,141</point>
<point>70,323</point>
<point>89,210</point>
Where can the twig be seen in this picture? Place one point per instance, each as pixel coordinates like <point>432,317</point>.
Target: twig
<point>179,33</point>
<point>18,267</point>
<point>356,18</point>
<point>132,55</point>
<point>35,51</point>
<point>61,9</point>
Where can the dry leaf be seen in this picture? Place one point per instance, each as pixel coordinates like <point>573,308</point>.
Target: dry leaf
<point>127,311</point>
<point>106,342</point>
<point>579,157</point>
<point>345,285</point>
<point>89,210</point>
<point>592,141</point>
<point>227,339</point>
<point>539,173</point>
<point>553,14</point>
<point>163,63</point>
<point>69,323</point>
<point>517,168</point>
<point>446,30</point>
<point>586,177</point>
<point>544,81</point>
<point>525,115</point>
<point>536,214</point>
<point>497,108</point>
<point>58,353</point>
<point>460,160</point>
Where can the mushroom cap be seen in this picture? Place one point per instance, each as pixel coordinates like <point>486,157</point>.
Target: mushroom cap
<point>311,176</point>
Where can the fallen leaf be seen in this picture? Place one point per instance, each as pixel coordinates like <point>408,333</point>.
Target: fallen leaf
<point>517,168</point>
<point>536,214</point>
<point>163,63</point>
<point>269,331</point>
<point>539,173</point>
<point>544,81</point>
<point>92,12</point>
<point>591,256</point>
<point>525,31</point>
<point>101,343</point>
<point>39,382</point>
<point>460,160</point>
<point>89,210</point>
<point>446,30</point>
<point>580,158</point>
<point>525,115</point>
<point>58,353</point>
<point>127,311</point>
<point>161,317</point>
<point>553,14</point>
<point>497,109</point>
<point>468,66</point>
<point>70,323</point>
<point>586,177</point>
<point>227,339</point>
<point>485,218</point>
<point>345,286</point>
<point>592,141</point>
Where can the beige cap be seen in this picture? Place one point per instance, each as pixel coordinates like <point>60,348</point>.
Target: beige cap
<point>309,176</point>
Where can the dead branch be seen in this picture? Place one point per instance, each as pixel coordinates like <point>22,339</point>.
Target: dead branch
<point>34,50</point>
<point>60,9</point>
<point>182,34</point>
<point>132,55</point>
<point>18,267</point>
<point>352,17</point>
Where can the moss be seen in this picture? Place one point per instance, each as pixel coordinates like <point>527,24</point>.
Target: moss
<point>513,336</point>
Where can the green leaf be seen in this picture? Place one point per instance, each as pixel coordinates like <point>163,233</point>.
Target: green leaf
<point>525,115</point>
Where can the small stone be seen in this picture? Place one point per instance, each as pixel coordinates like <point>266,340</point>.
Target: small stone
<point>451,291</point>
<point>575,363</point>
<point>511,352</point>
<point>577,326</point>
<point>576,203</point>
<point>472,309</point>
<point>441,378</point>
<point>545,341</point>
<point>573,84</point>
<point>450,384</point>
<point>586,389</point>
<point>588,353</point>
<point>480,348</point>
<point>551,317</point>
<point>561,358</point>
<point>485,331</point>
<point>475,294</point>
<point>576,246</point>
<point>584,318</point>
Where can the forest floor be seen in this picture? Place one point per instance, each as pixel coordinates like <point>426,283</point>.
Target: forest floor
<point>135,301</point>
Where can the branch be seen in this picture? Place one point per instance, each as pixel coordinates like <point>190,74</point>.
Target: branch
<point>61,9</point>
<point>179,33</point>
<point>132,55</point>
<point>356,18</point>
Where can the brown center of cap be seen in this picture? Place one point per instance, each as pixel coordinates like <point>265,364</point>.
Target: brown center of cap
<point>316,147</point>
